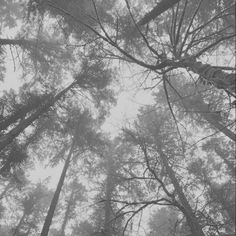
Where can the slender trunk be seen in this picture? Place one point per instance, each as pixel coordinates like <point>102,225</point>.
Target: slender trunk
<point>195,227</point>
<point>16,231</point>
<point>161,7</point>
<point>48,219</point>
<point>109,187</point>
<point>66,218</point>
<point>8,138</point>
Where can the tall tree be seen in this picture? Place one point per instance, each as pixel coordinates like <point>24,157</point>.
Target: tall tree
<point>51,210</point>
<point>77,192</point>
<point>34,204</point>
<point>81,128</point>
<point>163,142</point>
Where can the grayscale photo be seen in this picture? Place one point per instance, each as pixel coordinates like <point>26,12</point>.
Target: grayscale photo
<point>117,117</point>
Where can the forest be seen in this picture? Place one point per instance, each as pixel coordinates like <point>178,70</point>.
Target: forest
<point>80,158</point>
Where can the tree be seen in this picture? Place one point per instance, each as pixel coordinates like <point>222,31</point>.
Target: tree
<point>82,136</point>
<point>34,204</point>
<point>220,196</point>
<point>19,110</point>
<point>159,138</point>
<point>77,192</point>
<point>217,146</point>
<point>167,222</point>
<point>161,7</point>
<point>9,137</point>
<point>187,34</point>
<point>199,103</point>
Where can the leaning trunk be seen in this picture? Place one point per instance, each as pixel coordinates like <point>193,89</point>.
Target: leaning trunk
<point>222,128</point>
<point>16,231</point>
<point>20,114</point>
<point>66,218</point>
<point>212,117</point>
<point>8,138</point>
<point>197,105</point>
<point>161,7</point>
<point>213,75</point>
<point>48,219</point>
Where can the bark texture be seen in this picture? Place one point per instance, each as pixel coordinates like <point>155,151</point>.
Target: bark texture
<point>215,76</point>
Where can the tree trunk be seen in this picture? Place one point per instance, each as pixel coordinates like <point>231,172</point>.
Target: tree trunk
<point>66,218</point>
<point>212,118</point>
<point>161,7</point>
<point>16,231</point>
<point>8,138</point>
<point>195,227</point>
<point>109,188</point>
<point>20,114</point>
<point>222,128</point>
<point>215,76</point>
<point>48,219</point>
<point>197,105</point>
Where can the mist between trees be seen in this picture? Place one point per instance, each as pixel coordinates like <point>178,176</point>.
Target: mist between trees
<point>170,170</point>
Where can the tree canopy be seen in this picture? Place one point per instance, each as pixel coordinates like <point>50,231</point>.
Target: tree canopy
<point>169,169</point>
